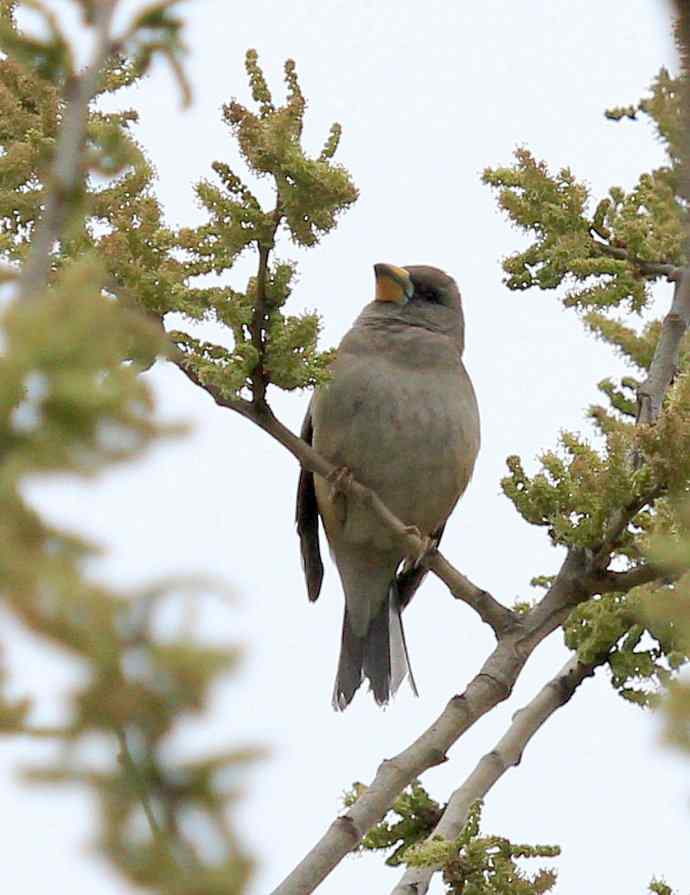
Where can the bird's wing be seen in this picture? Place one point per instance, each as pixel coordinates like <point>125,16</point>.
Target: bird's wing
<point>307,519</point>
<point>410,578</point>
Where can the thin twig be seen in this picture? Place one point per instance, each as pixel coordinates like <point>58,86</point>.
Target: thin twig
<point>257,325</point>
<point>648,268</point>
<point>256,329</point>
<point>138,785</point>
<point>608,582</point>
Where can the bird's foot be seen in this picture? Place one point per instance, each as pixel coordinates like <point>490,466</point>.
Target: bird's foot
<point>428,546</point>
<point>340,481</point>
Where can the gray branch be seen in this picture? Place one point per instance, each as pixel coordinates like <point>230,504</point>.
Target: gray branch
<point>66,173</point>
<point>579,578</point>
<point>506,754</point>
<point>491,685</point>
<point>664,366</point>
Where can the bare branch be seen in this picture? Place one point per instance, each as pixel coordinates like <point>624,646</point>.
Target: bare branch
<point>506,753</point>
<point>611,582</point>
<point>491,685</point>
<point>663,368</point>
<point>648,268</point>
<point>651,393</point>
<point>576,581</point>
<point>66,173</point>
<point>258,321</point>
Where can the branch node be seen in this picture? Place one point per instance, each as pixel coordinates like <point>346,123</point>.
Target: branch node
<point>349,829</point>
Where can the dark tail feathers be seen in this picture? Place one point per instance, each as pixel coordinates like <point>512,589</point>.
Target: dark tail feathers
<point>380,656</point>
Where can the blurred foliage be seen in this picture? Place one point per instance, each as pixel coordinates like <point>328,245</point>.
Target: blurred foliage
<point>72,401</point>
<point>669,613</point>
<point>621,496</point>
<point>659,887</point>
<point>472,864</point>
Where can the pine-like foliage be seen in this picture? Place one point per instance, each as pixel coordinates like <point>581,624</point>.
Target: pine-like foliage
<point>629,488</point>
<point>473,863</point>
<point>268,346</point>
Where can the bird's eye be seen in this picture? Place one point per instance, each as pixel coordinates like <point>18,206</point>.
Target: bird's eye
<point>428,293</point>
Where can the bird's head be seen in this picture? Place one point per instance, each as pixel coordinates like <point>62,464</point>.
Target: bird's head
<point>419,295</point>
<point>418,284</point>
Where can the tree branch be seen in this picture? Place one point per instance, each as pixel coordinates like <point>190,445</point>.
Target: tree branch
<point>500,618</point>
<point>648,268</point>
<point>663,368</point>
<point>577,580</point>
<point>664,365</point>
<point>256,328</point>
<point>506,753</point>
<point>491,685</point>
<point>618,523</point>
<point>66,174</point>
<point>608,582</point>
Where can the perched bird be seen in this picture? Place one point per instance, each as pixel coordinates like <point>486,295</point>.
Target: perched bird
<point>400,415</point>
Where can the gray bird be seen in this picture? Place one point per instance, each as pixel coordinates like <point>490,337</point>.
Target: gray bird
<point>401,415</point>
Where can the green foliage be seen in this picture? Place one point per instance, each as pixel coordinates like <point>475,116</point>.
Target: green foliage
<point>472,864</point>
<point>659,887</point>
<point>610,251</point>
<point>117,217</point>
<point>310,193</point>
<point>640,646</point>
<point>72,401</point>
<point>602,249</point>
<point>418,814</point>
<point>579,488</point>
<point>622,498</point>
<point>669,615</point>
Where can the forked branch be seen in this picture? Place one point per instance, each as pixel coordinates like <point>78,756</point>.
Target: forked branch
<point>506,754</point>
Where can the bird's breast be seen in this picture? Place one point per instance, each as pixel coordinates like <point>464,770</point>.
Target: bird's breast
<point>408,430</point>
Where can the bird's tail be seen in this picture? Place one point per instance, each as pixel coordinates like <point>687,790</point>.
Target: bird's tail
<point>380,655</point>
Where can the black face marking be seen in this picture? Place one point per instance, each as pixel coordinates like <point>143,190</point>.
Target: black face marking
<point>427,293</point>
<point>432,287</point>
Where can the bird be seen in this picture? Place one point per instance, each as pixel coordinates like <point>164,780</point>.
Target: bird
<point>399,414</point>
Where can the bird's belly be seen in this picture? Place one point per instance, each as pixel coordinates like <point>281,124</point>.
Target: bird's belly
<point>408,438</point>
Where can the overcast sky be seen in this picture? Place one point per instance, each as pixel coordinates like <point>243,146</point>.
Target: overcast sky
<point>428,93</point>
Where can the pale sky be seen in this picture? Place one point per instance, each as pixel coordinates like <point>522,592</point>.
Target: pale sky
<point>428,94</point>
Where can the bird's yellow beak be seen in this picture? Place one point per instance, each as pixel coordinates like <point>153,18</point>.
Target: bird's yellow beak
<point>393,284</point>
